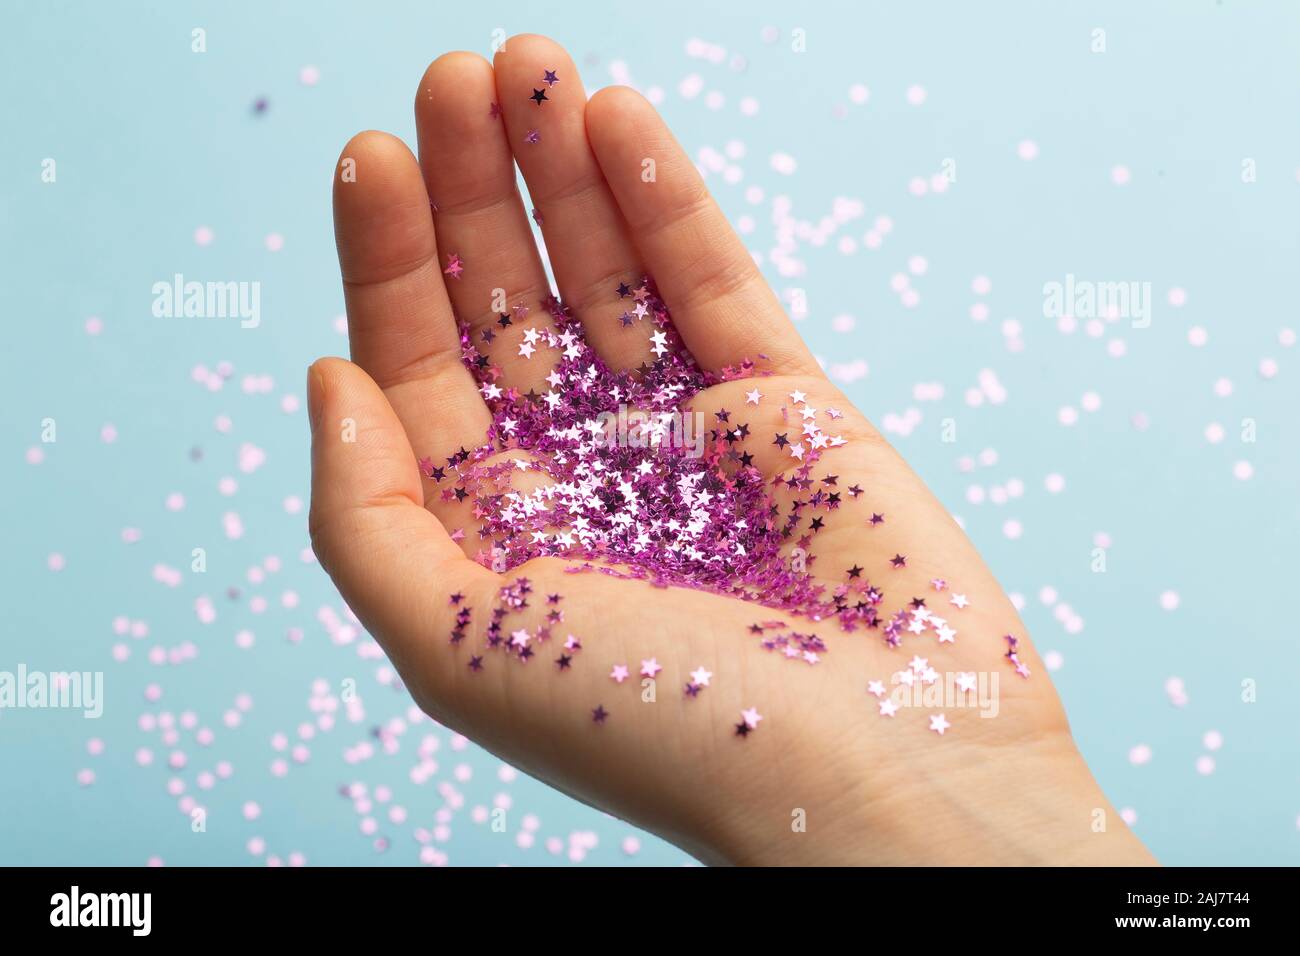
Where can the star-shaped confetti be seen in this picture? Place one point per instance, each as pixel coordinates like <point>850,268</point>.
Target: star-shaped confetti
<point>706,521</point>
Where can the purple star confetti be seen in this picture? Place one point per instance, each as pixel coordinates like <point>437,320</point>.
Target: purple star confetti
<point>650,510</point>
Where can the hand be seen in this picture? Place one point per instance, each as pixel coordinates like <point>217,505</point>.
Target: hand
<point>824,776</point>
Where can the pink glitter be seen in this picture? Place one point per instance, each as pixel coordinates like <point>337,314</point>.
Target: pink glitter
<point>684,529</point>
<point>670,513</point>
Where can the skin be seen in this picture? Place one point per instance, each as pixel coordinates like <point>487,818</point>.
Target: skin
<point>825,779</point>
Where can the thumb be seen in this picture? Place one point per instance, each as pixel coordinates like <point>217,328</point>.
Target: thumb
<point>360,454</point>
<point>369,527</point>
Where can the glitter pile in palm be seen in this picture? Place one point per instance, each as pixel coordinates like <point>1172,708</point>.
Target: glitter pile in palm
<point>637,485</point>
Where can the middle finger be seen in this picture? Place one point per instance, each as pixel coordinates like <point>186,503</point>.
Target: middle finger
<point>595,263</point>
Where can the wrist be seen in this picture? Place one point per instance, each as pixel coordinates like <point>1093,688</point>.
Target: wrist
<point>1032,805</point>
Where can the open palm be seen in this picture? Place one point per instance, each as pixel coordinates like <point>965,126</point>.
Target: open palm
<point>663,706</point>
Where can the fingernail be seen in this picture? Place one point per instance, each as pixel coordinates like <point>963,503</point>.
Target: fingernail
<point>315,395</point>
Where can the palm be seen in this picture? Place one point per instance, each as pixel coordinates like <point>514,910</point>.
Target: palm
<point>625,745</point>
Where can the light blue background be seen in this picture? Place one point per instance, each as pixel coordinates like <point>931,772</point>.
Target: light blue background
<point>153,141</point>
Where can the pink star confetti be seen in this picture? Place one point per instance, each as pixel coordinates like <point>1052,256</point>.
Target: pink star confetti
<point>704,521</point>
<point>749,719</point>
<point>455,266</point>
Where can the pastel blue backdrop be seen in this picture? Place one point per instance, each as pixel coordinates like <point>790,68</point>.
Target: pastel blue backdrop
<point>153,141</point>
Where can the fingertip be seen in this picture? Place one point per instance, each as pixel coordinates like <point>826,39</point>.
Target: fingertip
<point>526,54</point>
<point>452,64</point>
<point>315,394</point>
<point>617,97</point>
<point>382,225</point>
<point>326,369</point>
<point>524,45</point>
<point>327,378</point>
<point>454,86</point>
<point>373,149</point>
<point>613,110</point>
